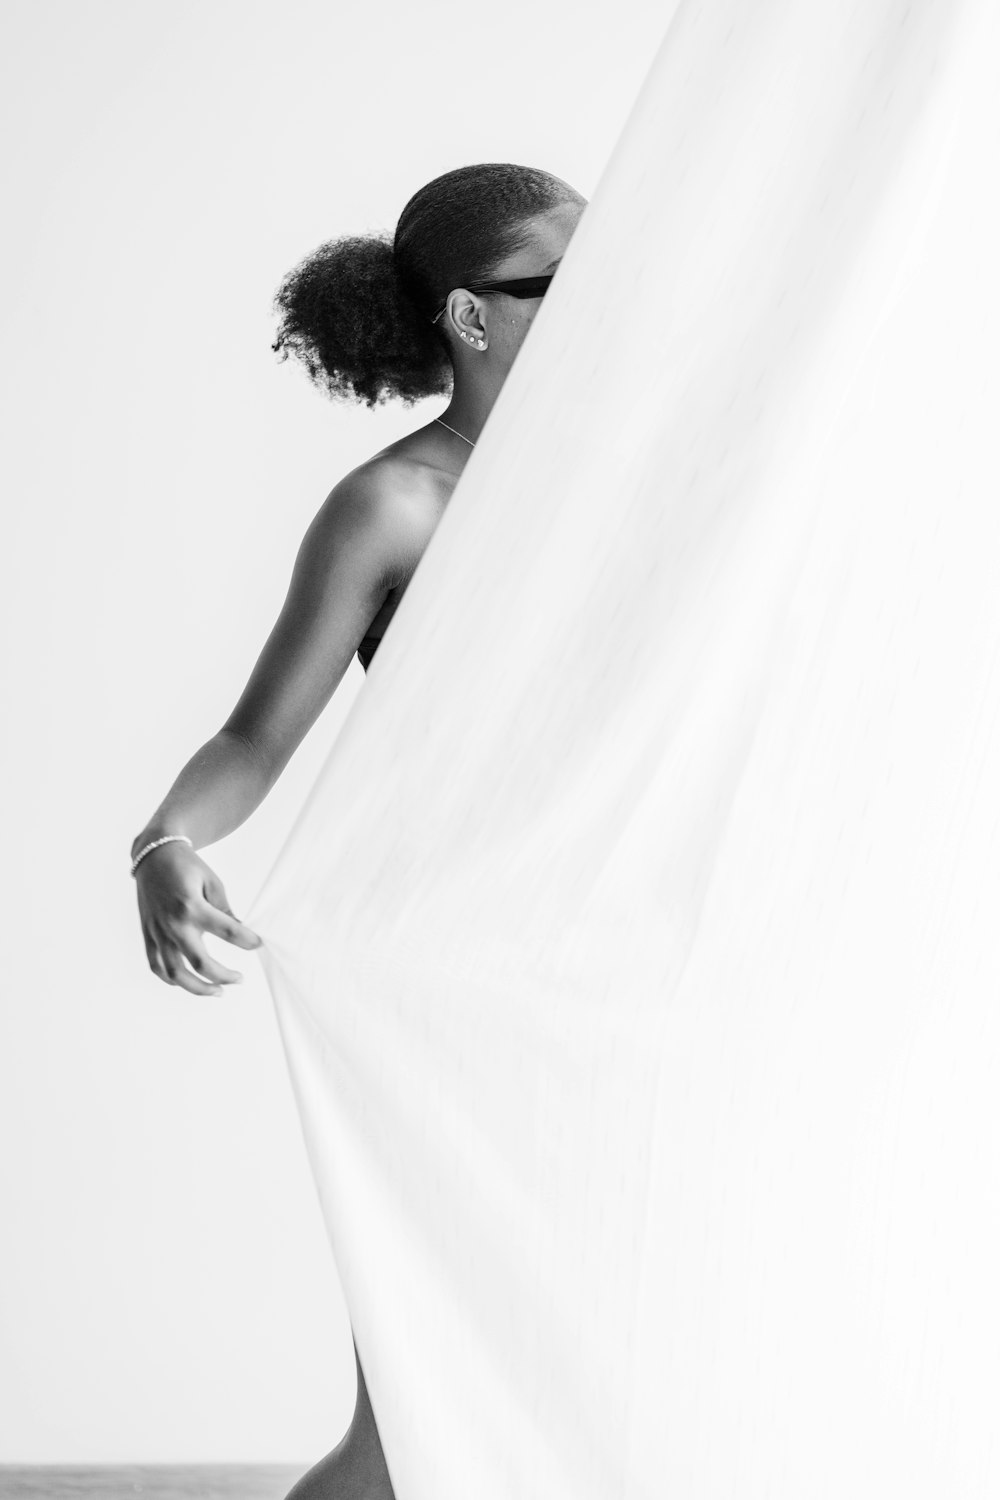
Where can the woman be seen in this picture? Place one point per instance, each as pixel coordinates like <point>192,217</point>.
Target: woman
<point>442,308</point>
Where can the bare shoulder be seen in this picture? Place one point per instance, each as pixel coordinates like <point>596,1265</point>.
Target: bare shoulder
<point>388,506</point>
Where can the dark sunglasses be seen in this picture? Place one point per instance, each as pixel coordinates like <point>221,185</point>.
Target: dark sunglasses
<point>524,286</point>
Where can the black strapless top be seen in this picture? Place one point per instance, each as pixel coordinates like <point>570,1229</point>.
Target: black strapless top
<point>367,650</point>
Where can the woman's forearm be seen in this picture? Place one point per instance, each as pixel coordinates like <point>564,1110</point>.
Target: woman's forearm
<point>217,790</point>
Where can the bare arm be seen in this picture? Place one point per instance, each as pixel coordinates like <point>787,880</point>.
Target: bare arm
<point>216,791</point>
<point>348,560</point>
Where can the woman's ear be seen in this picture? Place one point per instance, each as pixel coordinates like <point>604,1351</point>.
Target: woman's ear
<point>468,318</point>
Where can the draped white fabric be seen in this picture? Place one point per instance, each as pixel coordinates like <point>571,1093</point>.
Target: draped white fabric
<point>636,951</point>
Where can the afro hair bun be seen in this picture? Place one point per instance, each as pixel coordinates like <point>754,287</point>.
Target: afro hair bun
<point>346,316</point>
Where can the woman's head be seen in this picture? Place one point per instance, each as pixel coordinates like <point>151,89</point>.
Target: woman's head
<point>358,311</point>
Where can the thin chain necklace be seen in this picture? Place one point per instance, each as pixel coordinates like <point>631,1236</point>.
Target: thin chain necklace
<point>456,432</point>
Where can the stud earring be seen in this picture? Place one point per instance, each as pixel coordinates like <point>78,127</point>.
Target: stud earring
<point>482,343</point>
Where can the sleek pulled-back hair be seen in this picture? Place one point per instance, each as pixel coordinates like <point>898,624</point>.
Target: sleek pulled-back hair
<point>357,311</point>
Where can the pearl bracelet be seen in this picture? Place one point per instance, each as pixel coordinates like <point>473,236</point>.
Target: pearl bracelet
<point>166,839</point>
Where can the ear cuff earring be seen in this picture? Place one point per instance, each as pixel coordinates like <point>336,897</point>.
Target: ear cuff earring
<point>481,342</point>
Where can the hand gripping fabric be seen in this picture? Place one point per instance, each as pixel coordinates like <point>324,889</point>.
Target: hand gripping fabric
<point>636,951</point>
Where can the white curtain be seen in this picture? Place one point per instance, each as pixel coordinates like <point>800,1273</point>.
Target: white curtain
<point>637,952</point>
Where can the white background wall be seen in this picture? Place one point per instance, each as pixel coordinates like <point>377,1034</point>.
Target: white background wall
<point>166,1289</point>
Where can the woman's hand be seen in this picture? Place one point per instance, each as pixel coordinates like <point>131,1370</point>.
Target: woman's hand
<point>180,899</point>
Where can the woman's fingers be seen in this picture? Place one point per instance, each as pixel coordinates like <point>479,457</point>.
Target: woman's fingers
<point>176,971</point>
<point>223,924</point>
<point>179,957</point>
<point>188,941</point>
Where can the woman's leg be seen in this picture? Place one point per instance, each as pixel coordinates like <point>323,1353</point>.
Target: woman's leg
<point>356,1468</point>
